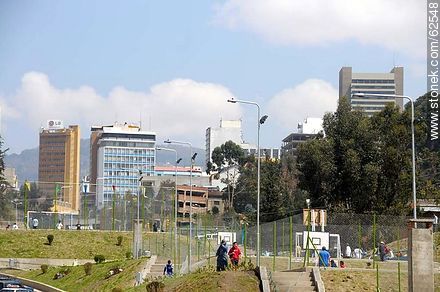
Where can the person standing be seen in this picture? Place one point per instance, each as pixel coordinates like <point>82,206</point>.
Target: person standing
<point>382,251</point>
<point>234,254</point>
<point>34,223</point>
<point>324,257</point>
<point>348,251</point>
<point>59,225</point>
<point>15,226</point>
<point>222,256</point>
<point>168,269</point>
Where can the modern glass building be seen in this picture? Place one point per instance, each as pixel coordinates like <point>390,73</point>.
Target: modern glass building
<point>120,155</point>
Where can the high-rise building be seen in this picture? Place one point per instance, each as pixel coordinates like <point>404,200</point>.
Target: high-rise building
<point>59,164</point>
<point>351,83</point>
<point>229,130</point>
<point>119,156</point>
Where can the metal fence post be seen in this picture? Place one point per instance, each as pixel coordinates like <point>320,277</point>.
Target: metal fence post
<point>290,241</point>
<point>274,244</point>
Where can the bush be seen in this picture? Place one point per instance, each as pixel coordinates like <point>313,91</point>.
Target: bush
<point>50,238</point>
<point>88,268</point>
<point>128,255</point>
<point>120,238</point>
<point>44,268</point>
<point>155,286</point>
<point>99,258</point>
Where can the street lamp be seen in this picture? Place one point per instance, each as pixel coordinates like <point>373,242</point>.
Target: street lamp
<point>260,121</point>
<point>190,196</point>
<point>137,242</point>
<point>412,137</point>
<point>16,203</point>
<point>175,197</point>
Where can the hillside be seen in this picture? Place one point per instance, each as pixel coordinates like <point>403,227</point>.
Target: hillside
<point>26,163</point>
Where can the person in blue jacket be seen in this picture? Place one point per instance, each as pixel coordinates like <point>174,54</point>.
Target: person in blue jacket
<point>222,256</point>
<point>324,257</point>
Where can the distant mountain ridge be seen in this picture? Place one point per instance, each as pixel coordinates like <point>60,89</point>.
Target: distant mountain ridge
<point>26,163</point>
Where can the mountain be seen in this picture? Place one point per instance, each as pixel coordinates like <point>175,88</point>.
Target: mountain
<point>26,163</point>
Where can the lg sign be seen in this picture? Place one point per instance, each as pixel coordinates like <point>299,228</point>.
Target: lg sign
<point>54,124</point>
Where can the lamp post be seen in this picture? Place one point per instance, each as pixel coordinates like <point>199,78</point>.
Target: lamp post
<point>175,197</point>
<point>412,142</point>
<point>16,203</point>
<point>259,122</point>
<point>137,242</point>
<point>190,195</point>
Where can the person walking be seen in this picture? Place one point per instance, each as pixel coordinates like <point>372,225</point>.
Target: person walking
<point>168,269</point>
<point>324,257</point>
<point>222,256</point>
<point>234,254</point>
<point>383,250</point>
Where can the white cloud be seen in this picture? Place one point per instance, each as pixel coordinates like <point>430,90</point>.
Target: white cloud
<point>312,98</point>
<point>394,24</point>
<point>178,108</point>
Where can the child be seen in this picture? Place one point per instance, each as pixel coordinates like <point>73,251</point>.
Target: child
<point>168,269</point>
<point>342,265</point>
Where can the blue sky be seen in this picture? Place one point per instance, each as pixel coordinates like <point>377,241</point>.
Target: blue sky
<point>173,64</point>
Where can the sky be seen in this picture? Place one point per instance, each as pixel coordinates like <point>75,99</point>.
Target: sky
<point>173,64</point>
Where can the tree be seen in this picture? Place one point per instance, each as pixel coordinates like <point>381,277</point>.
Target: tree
<point>227,158</point>
<point>361,165</point>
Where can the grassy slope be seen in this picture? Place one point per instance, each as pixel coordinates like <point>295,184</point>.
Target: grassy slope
<point>337,280</point>
<point>209,280</point>
<point>71,244</point>
<point>76,280</point>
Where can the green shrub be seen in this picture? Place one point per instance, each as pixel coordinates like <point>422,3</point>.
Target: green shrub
<point>99,258</point>
<point>128,255</point>
<point>44,268</point>
<point>155,286</point>
<point>50,238</point>
<point>88,268</point>
<point>120,238</point>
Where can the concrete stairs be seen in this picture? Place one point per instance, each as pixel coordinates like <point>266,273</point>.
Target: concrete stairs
<point>156,269</point>
<point>293,281</point>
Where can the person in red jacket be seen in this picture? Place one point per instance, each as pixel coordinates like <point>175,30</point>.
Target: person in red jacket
<point>234,254</point>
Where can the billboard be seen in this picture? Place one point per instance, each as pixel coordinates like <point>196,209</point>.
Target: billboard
<point>54,124</point>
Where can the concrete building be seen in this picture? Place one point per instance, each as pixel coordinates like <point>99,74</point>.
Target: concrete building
<point>309,129</point>
<point>169,170</point>
<point>119,155</point>
<point>351,83</point>
<point>215,199</point>
<point>229,130</point>
<point>199,202</point>
<point>11,177</point>
<point>311,126</point>
<point>59,164</point>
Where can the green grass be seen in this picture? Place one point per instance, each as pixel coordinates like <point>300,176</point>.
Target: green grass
<point>338,280</point>
<point>84,244</point>
<point>77,280</point>
<point>209,280</point>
